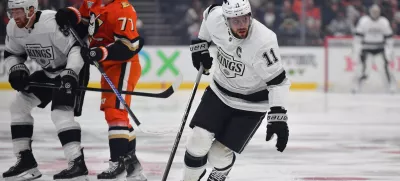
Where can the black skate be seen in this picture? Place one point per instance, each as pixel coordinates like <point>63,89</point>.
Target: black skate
<point>133,167</point>
<point>25,169</point>
<point>218,175</point>
<point>76,171</point>
<point>116,171</point>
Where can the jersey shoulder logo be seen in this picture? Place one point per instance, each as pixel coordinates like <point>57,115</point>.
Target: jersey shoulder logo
<point>125,4</point>
<point>228,65</point>
<point>94,24</point>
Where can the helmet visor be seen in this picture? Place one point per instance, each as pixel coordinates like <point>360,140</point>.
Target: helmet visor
<point>16,13</point>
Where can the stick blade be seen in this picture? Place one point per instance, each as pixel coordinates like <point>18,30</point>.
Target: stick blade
<point>178,82</point>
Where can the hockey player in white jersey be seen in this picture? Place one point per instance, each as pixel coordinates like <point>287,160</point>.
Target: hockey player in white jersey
<point>249,81</point>
<point>35,34</point>
<point>373,43</point>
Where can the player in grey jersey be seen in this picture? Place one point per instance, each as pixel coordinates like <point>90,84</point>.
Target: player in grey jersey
<point>373,39</point>
<point>249,79</point>
<point>35,34</point>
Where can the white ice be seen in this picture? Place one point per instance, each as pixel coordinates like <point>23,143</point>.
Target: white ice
<point>332,137</point>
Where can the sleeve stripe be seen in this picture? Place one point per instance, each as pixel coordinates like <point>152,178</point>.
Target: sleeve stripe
<point>8,54</point>
<point>117,36</point>
<point>85,19</point>
<point>388,36</point>
<point>105,53</point>
<point>278,79</point>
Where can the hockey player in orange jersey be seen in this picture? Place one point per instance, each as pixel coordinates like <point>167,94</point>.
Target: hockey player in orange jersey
<point>110,26</point>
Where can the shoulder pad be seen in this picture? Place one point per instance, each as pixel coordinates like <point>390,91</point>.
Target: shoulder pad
<point>125,4</point>
<point>10,28</point>
<point>210,9</point>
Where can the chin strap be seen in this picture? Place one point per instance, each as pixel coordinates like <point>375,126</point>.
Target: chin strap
<point>29,20</point>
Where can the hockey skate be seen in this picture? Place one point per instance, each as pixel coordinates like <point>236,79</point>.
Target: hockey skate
<point>133,168</point>
<point>24,170</point>
<point>116,171</point>
<point>76,171</point>
<point>217,175</point>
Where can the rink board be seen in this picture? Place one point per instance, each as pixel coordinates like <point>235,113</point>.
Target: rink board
<point>306,68</point>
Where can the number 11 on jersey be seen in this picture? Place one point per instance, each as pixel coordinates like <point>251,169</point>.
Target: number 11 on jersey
<point>269,61</point>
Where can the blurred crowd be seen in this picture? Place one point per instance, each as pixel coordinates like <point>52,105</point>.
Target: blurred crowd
<point>304,22</point>
<point>296,22</point>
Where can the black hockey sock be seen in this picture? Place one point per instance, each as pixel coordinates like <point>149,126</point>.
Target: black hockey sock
<point>21,131</point>
<point>68,136</point>
<point>22,137</point>
<point>118,140</point>
<point>195,162</point>
<point>132,141</point>
<point>118,148</point>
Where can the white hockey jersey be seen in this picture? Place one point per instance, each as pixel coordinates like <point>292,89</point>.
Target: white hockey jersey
<point>245,66</point>
<point>373,34</point>
<point>44,43</point>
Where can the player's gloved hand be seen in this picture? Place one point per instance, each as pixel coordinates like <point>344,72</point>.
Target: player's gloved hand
<point>277,119</point>
<point>200,54</point>
<point>18,76</point>
<point>69,81</point>
<point>68,16</point>
<point>96,54</point>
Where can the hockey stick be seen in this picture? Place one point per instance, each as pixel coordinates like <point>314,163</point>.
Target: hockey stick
<point>103,73</point>
<point>165,94</point>
<point>183,123</point>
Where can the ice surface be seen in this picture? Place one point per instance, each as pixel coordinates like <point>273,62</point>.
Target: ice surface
<point>332,137</point>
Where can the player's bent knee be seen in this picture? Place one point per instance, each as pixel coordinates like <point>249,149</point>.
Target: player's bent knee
<point>64,120</point>
<point>21,107</point>
<point>199,142</point>
<point>197,147</point>
<point>67,128</point>
<point>220,156</point>
<point>116,117</point>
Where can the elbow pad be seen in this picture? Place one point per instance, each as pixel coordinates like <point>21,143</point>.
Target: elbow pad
<point>124,49</point>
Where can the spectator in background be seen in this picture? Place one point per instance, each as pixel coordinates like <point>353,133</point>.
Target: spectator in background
<point>45,4</point>
<point>311,10</point>
<point>329,12</point>
<point>3,21</point>
<point>74,3</point>
<point>286,13</point>
<point>388,10</point>
<point>269,18</point>
<point>313,32</point>
<point>255,4</point>
<point>396,23</point>
<point>257,9</point>
<point>288,32</point>
<point>193,19</point>
<point>354,11</point>
<point>340,26</point>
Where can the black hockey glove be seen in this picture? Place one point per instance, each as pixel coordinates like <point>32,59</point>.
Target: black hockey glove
<point>68,16</point>
<point>277,119</point>
<point>97,54</point>
<point>200,54</point>
<point>69,81</point>
<point>18,76</point>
